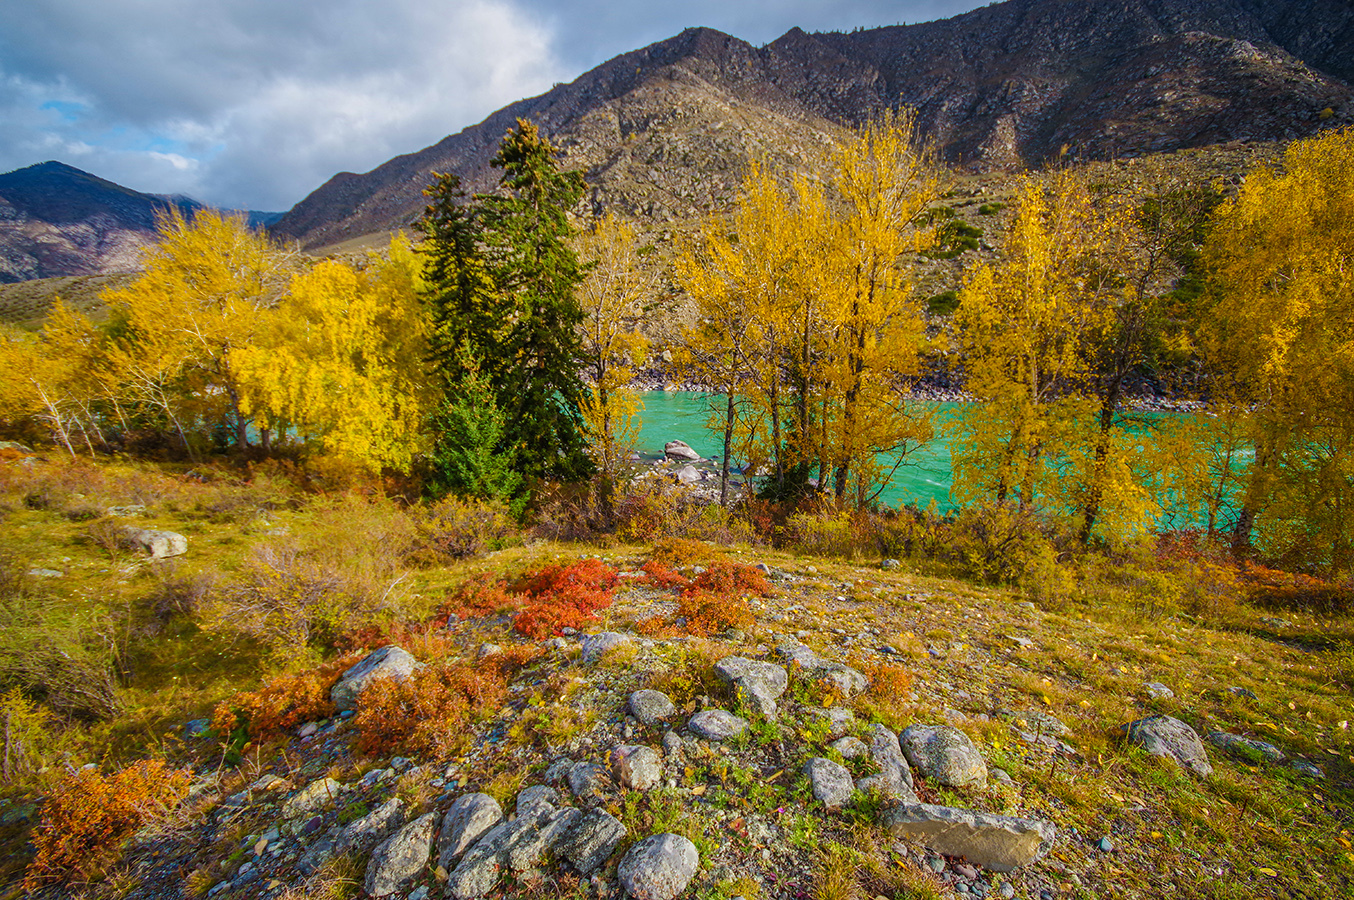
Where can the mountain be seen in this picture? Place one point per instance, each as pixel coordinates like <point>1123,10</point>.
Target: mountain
<point>663,132</point>
<point>56,220</point>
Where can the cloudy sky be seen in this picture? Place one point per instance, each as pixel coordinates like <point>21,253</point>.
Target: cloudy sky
<point>254,103</point>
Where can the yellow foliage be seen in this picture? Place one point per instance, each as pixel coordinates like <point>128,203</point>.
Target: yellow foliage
<point>341,360</point>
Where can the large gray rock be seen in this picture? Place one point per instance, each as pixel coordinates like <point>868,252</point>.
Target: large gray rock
<point>466,821</point>
<point>651,707</point>
<point>658,867</point>
<point>537,796</point>
<point>756,683</point>
<point>717,725</point>
<point>837,720</point>
<point>314,796</point>
<point>1170,739</point>
<point>595,646</point>
<point>796,654</point>
<point>831,782</point>
<point>680,450</point>
<point>528,853</point>
<point>637,768</point>
<point>365,833</point>
<point>402,858</point>
<point>844,680</point>
<point>1000,843</point>
<point>687,474</point>
<point>155,544</point>
<point>852,747</point>
<point>478,870</point>
<point>894,778</point>
<point>591,841</point>
<point>387,662</point>
<point>589,783</point>
<point>943,753</point>
<point>1246,748</point>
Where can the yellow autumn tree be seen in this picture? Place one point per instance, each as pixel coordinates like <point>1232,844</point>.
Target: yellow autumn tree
<point>49,378</point>
<point>613,295</point>
<point>341,359</point>
<point>1280,336</point>
<point>179,326</point>
<point>1027,330</point>
<point>884,178</point>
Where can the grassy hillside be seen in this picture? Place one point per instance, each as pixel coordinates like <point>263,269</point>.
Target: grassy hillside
<point>178,637</point>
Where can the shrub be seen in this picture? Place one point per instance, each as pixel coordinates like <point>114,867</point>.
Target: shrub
<point>283,703</point>
<point>23,725</point>
<point>479,596</point>
<point>453,528</point>
<point>175,597</point>
<point>709,613</point>
<point>427,713</point>
<point>730,580</point>
<point>559,597</point>
<point>52,656</point>
<point>661,576</point>
<point>90,814</point>
<point>284,600</point>
<point>680,551</point>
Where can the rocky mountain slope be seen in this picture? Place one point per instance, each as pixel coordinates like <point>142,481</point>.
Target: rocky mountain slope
<point>663,132</point>
<point>56,220</point>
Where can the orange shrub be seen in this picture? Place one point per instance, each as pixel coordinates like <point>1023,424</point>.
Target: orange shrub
<point>663,577</point>
<point>481,595</point>
<point>427,713</point>
<point>729,580</point>
<point>559,597</point>
<point>90,814</point>
<point>283,703</point>
<point>707,613</point>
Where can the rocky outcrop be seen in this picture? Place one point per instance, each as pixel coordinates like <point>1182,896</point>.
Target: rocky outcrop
<point>663,132</point>
<point>1001,843</point>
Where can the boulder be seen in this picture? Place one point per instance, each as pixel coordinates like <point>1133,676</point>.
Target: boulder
<point>1170,739</point>
<point>387,662</point>
<point>651,707</point>
<point>539,796</point>
<point>796,654</point>
<point>595,646</point>
<point>478,871</point>
<point>637,768</point>
<point>680,450</point>
<point>588,782</point>
<point>838,720</point>
<point>943,753</point>
<point>845,681</point>
<point>155,544</point>
<point>1000,843</point>
<point>591,841</point>
<point>312,797</point>
<point>658,867</point>
<point>1246,748</point>
<point>831,782</point>
<point>687,474</point>
<point>894,778</point>
<point>402,858</point>
<point>365,833</point>
<point>532,850</point>
<point>756,683</point>
<point>717,725</point>
<point>850,747</point>
<point>469,817</point>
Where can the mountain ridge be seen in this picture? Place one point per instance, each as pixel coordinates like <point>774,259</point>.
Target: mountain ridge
<point>1002,87</point>
<point>57,221</point>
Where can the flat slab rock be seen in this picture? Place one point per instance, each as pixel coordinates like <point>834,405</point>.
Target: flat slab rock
<point>1170,739</point>
<point>999,843</point>
<point>595,646</point>
<point>155,544</point>
<point>1244,747</point>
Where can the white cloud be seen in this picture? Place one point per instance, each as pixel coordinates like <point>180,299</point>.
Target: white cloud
<point>254,103</point>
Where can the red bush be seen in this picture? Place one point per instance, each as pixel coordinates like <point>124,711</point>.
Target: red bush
<point>559,597</point>
<point>730,580</point>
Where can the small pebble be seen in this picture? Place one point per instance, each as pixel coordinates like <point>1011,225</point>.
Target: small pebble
<point>1105,845</point>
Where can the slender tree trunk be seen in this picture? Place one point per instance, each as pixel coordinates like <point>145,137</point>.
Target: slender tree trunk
<point>728,447</point>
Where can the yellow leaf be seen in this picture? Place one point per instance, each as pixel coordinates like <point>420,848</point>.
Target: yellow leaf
<point>1266,871</point>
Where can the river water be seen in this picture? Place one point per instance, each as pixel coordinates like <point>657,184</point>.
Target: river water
<point>681,416</point>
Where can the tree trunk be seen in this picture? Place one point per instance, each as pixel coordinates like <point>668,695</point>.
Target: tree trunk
<point>728,446</point>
